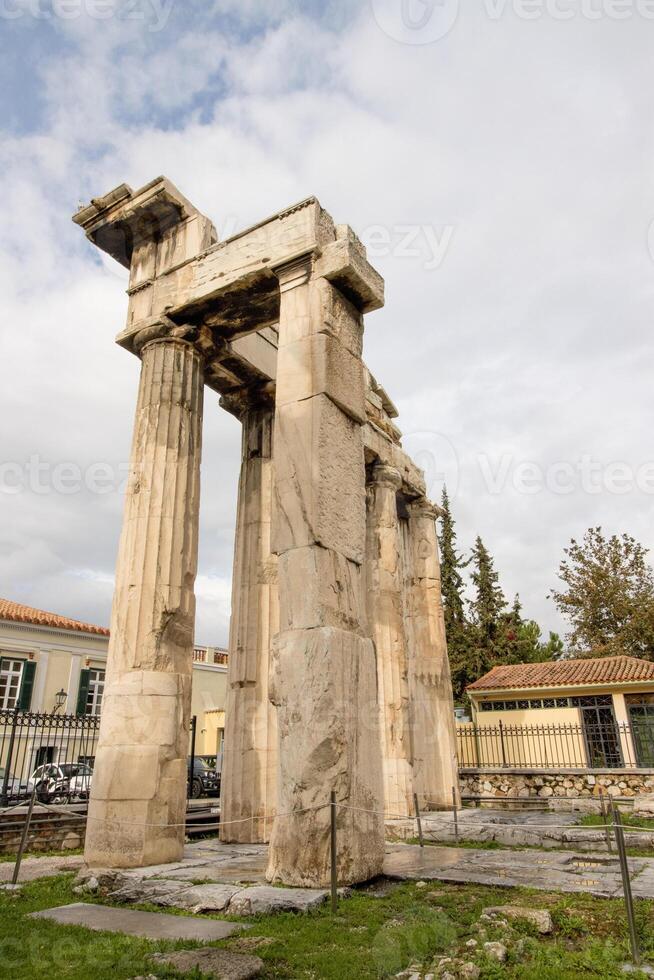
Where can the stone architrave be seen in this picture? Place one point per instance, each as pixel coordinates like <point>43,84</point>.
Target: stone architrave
<point>435,771</point>
<point>386,617</point>
<point>249,772</point>
<point>323,678</point>
<point>138,794</point>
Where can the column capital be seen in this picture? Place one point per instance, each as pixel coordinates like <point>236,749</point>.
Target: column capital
<point>385,476</point>
<point>159,329</point>
<point>422,507</point>
<point>247,399</point>
<point>296,272</point>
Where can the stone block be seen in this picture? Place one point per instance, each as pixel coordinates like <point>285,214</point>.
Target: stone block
<point>320,364</point>
<point>344,263</point>
<point>222,964</point>
<point>265,900</point>
<point>323,588</point>
<point>324,686</point>
<point>319,479</point>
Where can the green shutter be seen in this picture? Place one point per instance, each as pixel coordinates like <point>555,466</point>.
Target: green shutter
<point>84,677</point>
<point>26,685</point>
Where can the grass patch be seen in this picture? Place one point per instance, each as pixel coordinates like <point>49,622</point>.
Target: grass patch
<point>369,938</point>
<point>628,819</point>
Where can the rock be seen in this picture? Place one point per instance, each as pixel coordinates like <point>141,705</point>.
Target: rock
<point>472,944</point>
<point>470,971</point>
<point>496,951</point>
<point>263,900</point>
<point>11,888</point>
<point>71,841</point>
<point>206,898</point>
<point>219,963</point>
<point>545,791</point>
<point>421,884</point>
<point>541,918</point>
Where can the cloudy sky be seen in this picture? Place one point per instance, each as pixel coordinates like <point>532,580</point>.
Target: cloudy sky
<point>498,158</point>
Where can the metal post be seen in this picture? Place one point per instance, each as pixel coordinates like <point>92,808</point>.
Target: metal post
<point>605,821</point>
<point>23,839</point>
<point>626,885</point>
<point>4,797</point>
<point>191,774</point>
<point>502,746</point>
<point>334,876</point>
<point>456,815</point>
<point>419,821</point>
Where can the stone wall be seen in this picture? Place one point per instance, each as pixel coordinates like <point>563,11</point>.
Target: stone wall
<point>556,786</point>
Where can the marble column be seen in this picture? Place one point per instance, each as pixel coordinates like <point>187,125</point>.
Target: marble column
<point>386,617</point>
<point>433,725</point>
<point>138,794</point>
<point>249,775</point>
<point>323,673</point>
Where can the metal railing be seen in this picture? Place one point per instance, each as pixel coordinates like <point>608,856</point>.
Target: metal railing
<point>583,746</point>
<point>30,741</point>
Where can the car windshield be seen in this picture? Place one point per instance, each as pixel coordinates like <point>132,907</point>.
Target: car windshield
<point>76,770</point>
<point>202,764</point>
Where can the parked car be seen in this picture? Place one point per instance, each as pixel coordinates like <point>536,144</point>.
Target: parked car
<point>205,781</point>
<point>65,783</point>
<point>15,789</point>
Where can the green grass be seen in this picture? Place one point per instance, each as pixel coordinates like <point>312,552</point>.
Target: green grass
<point>628,819</point>
<point>369,938</point>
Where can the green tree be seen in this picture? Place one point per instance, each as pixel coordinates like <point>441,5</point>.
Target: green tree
<point>607,596</point>
<point>520,639</point>
<point>488,603</point>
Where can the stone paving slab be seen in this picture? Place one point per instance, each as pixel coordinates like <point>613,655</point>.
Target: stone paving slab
<point>562,871</point>
<point>40,867</point>
<point>220,963</point>
<point>151,925</point>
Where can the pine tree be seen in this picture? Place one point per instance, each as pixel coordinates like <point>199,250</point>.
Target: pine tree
<point>489,603</point>
<point>456,624</point>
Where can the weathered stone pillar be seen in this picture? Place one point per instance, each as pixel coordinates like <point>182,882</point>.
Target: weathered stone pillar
<point>249,776</point>
<point>324,682</point>
<point>386,618</point>
<point>433,725</point>
<point>138,794</point>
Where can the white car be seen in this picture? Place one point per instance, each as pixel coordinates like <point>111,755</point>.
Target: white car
<point>63,783</point>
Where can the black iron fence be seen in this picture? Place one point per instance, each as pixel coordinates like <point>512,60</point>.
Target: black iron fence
<point>52,753</point>
<point>583,746</point>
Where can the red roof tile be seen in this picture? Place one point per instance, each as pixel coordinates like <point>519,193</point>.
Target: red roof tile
<point>566,673</point>
<point>15,612</point>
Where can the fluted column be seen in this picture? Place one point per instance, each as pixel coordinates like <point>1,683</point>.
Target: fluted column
<point>323,676</point>
<point>386,618</point>
<point>249,775</point>
<point>433,725</point>
<point>138,794</point>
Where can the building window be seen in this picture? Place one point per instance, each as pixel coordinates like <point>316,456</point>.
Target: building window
<point>95,692</point>
<point>11,672</point>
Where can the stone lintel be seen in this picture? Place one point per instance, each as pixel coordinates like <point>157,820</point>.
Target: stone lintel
<point>122,218</point>
<point>345,265</point>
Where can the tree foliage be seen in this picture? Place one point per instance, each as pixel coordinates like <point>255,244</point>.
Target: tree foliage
<point>607,596</point>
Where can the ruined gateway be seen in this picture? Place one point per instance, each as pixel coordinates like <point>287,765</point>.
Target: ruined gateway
<point>338,671</point>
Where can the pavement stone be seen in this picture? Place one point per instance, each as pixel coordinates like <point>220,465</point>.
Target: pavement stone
<point>152,925</point>
<point>219,963</point>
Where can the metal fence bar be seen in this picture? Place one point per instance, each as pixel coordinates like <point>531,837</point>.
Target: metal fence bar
<point>559,747</point>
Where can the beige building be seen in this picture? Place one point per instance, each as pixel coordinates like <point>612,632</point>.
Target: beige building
<point>596,713</point>
<point>52,664</point>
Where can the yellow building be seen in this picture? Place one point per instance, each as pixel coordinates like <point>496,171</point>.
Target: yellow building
<point>570,713</point>
<point>54,665</point>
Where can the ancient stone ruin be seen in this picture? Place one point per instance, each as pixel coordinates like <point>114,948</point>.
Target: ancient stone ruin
<point>338,672</point>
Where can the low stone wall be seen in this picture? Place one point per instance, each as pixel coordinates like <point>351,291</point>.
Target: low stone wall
<point>556,787</point>
<point>48,832</point>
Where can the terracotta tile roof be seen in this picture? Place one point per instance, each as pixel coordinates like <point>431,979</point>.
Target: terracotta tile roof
<point>15,612</point>
<point>566,673</point>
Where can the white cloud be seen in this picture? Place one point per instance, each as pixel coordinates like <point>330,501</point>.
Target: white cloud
<point>530,340</point>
